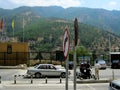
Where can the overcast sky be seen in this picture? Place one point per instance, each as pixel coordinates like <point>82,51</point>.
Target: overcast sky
<point>105,4</point>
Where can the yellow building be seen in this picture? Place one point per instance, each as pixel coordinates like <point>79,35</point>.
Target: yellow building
<point>13,53</point>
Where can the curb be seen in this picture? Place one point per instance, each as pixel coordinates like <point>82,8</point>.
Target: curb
<point>92,81</point>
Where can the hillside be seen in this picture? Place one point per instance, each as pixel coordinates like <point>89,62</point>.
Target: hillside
<point>46,35</point>
<point>44,30</point>
<point>100,18</point>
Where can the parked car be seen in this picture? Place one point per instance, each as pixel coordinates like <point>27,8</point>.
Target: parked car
<point>42,70</point>
<point>115,64</point>
<point>114,85</point>
<point>102,64</point>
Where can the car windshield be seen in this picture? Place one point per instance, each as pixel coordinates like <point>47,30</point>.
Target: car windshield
<point>101,62</point>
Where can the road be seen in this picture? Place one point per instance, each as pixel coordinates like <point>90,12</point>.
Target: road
<point>8,74</point>
<point>52,83</point>
<point>102,86</point>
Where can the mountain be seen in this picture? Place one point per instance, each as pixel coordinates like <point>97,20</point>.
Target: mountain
<point>100,18</point>
<point>44,27</point>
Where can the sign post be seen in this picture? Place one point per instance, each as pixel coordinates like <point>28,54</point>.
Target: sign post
<point>66,45</point>
<point>74,51</point>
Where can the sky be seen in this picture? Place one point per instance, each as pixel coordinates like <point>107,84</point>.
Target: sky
<point>102,4</point>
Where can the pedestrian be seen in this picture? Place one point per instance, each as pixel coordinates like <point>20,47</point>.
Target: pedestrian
<point>97,66</point>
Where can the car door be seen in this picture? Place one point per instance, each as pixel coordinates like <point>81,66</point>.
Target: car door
<point>43,69</point>
<point>53,71</point>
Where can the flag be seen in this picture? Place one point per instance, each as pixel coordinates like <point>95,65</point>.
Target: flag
<point>1,24</point>
<point>13,24</point>
<point>76,31</point>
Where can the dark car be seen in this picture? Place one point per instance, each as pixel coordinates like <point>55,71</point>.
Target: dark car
<point>115,64</point>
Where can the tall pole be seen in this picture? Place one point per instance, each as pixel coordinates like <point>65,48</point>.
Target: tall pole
<point>109,50</point>
<point>66,74</point>
<point>74,58</point>
<point>13,28</point>
<point>13,34</point>
<point>23,29</point>
<point>66,45</point>
<point>74,51</point>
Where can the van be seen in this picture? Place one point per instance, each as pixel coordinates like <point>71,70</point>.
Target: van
<point>114,85</point>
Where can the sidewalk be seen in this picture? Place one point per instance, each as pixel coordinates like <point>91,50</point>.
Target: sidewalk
<point>103,80</point>
<point>21,66</point>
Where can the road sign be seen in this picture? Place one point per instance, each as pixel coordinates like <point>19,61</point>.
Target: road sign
<point>66,43</point>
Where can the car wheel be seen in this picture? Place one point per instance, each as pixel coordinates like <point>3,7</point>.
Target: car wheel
<point>37,75</point>
<point>63,75</point>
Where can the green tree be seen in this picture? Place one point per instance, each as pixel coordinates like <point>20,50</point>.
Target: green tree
<point>80,51</point>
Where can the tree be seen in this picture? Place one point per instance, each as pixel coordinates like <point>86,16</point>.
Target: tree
<point>80,51</point>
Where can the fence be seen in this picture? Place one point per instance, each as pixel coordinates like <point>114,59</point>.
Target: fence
<point>16,58</point>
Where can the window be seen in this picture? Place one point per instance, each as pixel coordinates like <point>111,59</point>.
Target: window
<point>42,67</point>
<point>114,86</point>
<point>9,49</point>
<point>51,67</point>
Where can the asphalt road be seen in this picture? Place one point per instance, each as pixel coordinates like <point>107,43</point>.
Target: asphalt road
<point>52,83</point>
<point>54,86</point>
<point>8,74</point>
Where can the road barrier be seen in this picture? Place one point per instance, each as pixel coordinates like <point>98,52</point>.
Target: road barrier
<point>15,78</point>
<point>31,79</point>
<point>0,79</point>
<point>46,80</point>
<point>60,80</point>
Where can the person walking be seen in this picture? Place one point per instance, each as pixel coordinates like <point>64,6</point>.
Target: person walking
<point>97,66</point>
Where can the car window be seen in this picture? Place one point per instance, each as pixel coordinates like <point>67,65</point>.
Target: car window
<point>101,62</point>
<point>117,87</point>
<point>51,67</point>
<point>114,86</point>
<point>42,67</point>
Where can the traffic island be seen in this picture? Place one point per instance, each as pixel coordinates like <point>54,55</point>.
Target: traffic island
<point>92,81</point>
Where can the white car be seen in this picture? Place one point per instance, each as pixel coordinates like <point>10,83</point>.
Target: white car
<point>102,64</point>
<point>42,70</point>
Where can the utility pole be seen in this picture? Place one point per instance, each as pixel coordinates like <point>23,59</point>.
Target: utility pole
<point>23,28</point>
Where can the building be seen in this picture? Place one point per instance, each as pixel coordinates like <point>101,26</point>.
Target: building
<point>13,53</point>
